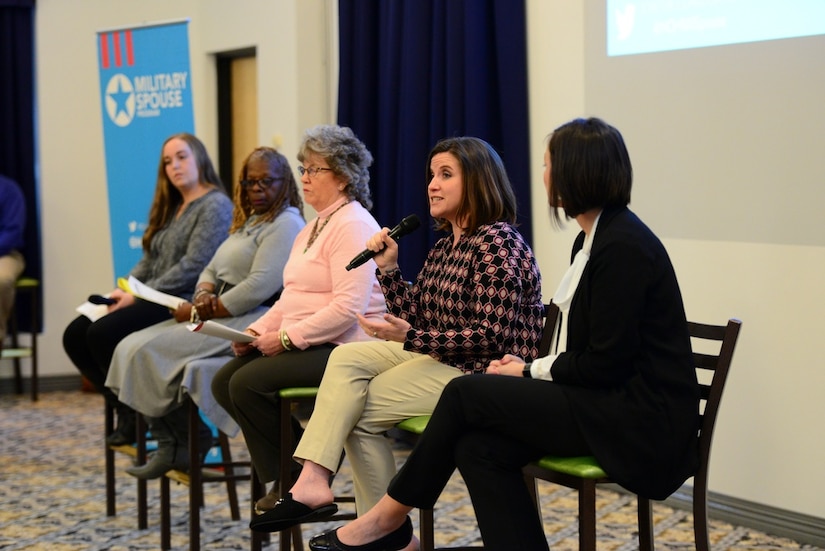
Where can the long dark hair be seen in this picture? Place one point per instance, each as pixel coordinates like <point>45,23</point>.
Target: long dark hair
<point>167,198</point>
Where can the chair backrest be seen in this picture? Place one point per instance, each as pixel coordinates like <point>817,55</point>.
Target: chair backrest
<point>718,365</point>
<point>551,323</point>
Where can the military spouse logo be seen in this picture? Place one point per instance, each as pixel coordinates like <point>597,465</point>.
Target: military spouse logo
<point>144,96</point>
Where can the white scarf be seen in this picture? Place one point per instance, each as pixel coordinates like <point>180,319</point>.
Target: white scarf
<point>570,282</point>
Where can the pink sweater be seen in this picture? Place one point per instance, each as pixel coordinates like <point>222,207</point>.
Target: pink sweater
<point>320,297</point>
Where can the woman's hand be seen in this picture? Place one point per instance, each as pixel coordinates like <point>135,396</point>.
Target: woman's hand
<point>244,348</point>
<point>122,300</point>
<point>508,365</point>
<point>183,312</point>
<point>207,306</point>
<point>387,249</point>
<point>393,328</point>
<point>269,344</point>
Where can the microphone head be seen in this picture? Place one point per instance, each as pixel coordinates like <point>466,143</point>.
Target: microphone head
<point>404,227</point>
<point>409,224</point>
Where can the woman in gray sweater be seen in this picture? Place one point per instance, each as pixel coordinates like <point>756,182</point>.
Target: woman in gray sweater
<point>189,218</point>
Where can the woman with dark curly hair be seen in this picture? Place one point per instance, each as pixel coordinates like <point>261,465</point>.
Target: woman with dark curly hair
<point>318,307</point>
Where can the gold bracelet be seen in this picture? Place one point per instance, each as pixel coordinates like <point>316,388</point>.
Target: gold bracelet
<point>194,317</point>
<point>201,290</point>
<point>285,342</point>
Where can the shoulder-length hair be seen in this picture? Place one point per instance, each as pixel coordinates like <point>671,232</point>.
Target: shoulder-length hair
<point>288,194</point>
<point>167,198</point>
<point>487,196</point>
<point>346,155</point>
<point>589,167</point>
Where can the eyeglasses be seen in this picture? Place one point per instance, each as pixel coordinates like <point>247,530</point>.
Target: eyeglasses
<point>312,171</point>
<point>263,183</point>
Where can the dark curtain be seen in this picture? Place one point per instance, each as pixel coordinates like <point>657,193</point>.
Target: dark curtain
<point>415,71</point>
<point>17,139</point>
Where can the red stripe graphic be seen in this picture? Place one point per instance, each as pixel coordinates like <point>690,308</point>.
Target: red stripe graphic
<point>116,48</point>
<point>104,51</point>
<point>130,53</point>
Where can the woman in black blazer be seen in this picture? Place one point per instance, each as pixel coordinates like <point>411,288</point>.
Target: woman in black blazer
<point>624,388</point>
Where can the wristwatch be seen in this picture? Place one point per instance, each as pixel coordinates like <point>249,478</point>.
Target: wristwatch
<point>526,371</point>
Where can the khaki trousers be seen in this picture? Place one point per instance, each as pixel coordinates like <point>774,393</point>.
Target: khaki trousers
<point>11,266</point>
<point>369,387</point>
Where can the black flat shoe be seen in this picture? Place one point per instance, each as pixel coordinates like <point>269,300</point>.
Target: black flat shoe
<point>287,513</point>
<point>395,540</point>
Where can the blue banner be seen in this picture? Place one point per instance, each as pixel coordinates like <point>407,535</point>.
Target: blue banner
<point>146,97</point>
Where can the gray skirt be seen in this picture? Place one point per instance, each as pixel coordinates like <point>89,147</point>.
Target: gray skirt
<point>154,370</point>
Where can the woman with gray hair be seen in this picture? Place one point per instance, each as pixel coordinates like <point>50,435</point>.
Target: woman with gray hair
<point>318,307</point>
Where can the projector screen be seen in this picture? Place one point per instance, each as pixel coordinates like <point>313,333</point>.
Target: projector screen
<point>727,142</point>
<point>641,26</point>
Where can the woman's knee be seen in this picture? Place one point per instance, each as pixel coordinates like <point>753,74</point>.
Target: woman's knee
<point>487,450</point>
<point>220,385</point>
<point>104,333</point>
<point>245,381</point>
<point>455,388</point>
<point>229,381</point>
<point>76,332</point>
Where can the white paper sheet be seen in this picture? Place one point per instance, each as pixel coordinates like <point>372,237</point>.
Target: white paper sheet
<point>215,329</point>
<point>93,311</point>
<point>152,295</point>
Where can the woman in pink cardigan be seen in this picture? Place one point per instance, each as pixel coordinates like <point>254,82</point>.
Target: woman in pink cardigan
<point>317,308</point>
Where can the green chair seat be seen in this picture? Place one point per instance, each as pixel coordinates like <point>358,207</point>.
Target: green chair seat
<point>27,283</point>
<point>299,392</point>
<point>415,425</point>
<point>16,353</point>
<point>582,467</point>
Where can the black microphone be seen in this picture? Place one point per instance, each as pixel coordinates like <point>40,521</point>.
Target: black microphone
<point>100,299</point>
<point>404,227</point>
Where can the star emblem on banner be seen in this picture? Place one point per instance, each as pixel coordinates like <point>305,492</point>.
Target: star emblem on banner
<point>120,100</point>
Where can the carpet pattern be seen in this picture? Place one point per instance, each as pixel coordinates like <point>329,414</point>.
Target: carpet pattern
<point>52,497</point>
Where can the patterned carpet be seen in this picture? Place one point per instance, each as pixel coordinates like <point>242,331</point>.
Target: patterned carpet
<point>52,496</point>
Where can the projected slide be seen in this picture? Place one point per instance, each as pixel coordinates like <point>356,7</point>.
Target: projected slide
<point>644,26</point>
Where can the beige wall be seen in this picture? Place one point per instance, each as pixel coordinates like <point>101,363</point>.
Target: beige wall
<point>769,422</point>
<point>767,447</point>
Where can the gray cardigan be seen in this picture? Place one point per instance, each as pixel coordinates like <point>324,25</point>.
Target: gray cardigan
<point>181,249</point>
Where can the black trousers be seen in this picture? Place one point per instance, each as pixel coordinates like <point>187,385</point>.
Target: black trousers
<point>489,427</point>
<point>91,345</point>
<point>247,388</point>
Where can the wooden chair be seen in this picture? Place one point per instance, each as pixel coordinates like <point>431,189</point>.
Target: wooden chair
<point>16,352</point>
<point>416,426</point>
<point>137,453</point>
<point>196,383</point>
<point>584,473</point>
<point>291,398</point>
<point>195,478</point>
